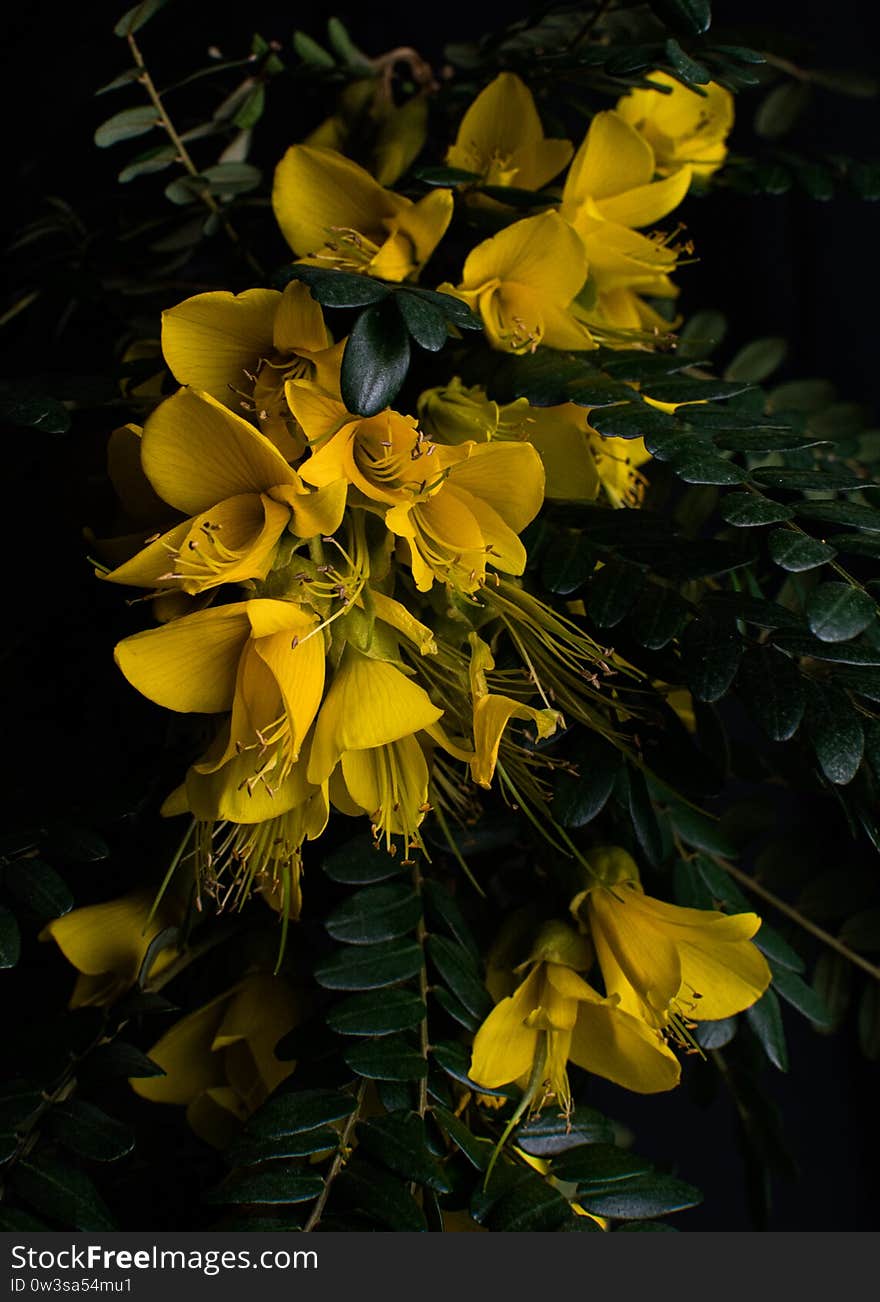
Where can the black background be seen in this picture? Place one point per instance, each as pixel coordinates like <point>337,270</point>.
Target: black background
<point>776,265</point>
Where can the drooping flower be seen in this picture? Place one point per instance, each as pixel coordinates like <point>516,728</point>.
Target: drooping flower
<point>501,138</point>
<point>554,1017</point>
<point>240,493</point>
<point>258,659</point>
<point>108,944</point>
<point>366,743</point>
<point>493,711</point>
<point>671,966</point>
<point>243,349</point>
<point>457,509</point>
<point>522,282</point>
<point>334,214</point>
<point>683,127</point>
<point>219,1061</point>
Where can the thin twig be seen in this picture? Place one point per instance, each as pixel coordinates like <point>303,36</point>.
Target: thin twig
<point>341,1155</point>
<point>184,156</point>
<point>421,936</point>
<point>791,912</point>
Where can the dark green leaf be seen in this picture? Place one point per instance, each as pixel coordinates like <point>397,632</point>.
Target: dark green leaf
<point>311,52</point>
<point>532,1206</point>
<point>375,913</point>
<point>659,616</point>
<point>765,1019</point>
<point>459,970</point>
<point>399,1142</point>
<point>567,563</point>
<point>245,1151</point>
<point>757,360</point>
<point>857,544</point>
<point>797,552</point>
<point>581,795</point>
<point>711,653</point>
<point>837,612</point>
<point>836,732</point>
<point>338,288</point>
<point>72,841</point>
<point>655,1195</point>
<point>644,819</point>
<point>377,1014</point>
<point>444,175</point>
<point>802,997</point>
<point>386,1057</point>
<point>701,335</point>
<point>854,514</point>
<point>549,1135</point>
<point>20,406</point>
<point>423,320</point>
<point>135,18</point>
<point>780,109</point>
<point>232,178</point>
<point>369,967</point>
<point>807,481</point>
<point>345,47</point>
<point>119,1058</point>
<point>600,1165</point>
<point>39,888</point>
<point>360,863</point>
<point>10,939</point>
<point>275,1187</point>
<point>252,109</point>
<point>18,1103</point>
<point>772,690</point>
<point>862,930</point>
<point>752,610</point>
<point>631,420</point>
<point>779,952</point>
<point>763,440</point>
<point>380,1196</point>
<point>291,1114</point>
<point>696,466</point>
<point>442,908</point>
<point>477,1151</point>
<point>452,308</point>
<point>844,653</point>
<point>455,1060</point>
<point>866,682</point>
<point>376,359</point>
<point>745,510</point>
<point>612,592</point>
<point>681,388</point>
<point>126,125</point>
<point>89,1132</point>
<point>456,1009</point>
<point>689,17</point>
<point>715,1035</point>
<point>153,160</point>
<point>61,1193</point>
<point>699,830</point>
<point>721,885</point>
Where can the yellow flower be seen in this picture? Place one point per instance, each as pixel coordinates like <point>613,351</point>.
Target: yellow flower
<point>238,489</point>
<point>682,127</point>
<point>243,349</point>
<point>108,943</point>
<point>257,659</point>
<point>669,965</point>
<point>493,712</point>
<point>334,214</point>
<point>612,177</point>
<point>502,140</point>
<point>617,464</point>
<point>220,1062</point>
<point>554,1017</point>
<point>522,282</point>
<point>457,509</point>
<point>366,743</point>
<point>367,124</point>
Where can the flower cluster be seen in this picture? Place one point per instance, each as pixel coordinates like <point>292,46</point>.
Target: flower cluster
<point>344,596</point>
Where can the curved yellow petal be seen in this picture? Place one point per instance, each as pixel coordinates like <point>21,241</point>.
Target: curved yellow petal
<point>542,252</point>
<point>184,1053</point>
<point>299,324</point>
<point>504,1046</point>
<point>191,663</point>
<point>612,158</point>
<point>317,190</point>
<point>537,163</point>
<point>196,453</point>
<point>369,704</point>
<point>646,204</point>
<point>214,341</point>
<point>720,981</point>
<point>559,435</point>
<point>508,476</point>
<point>491,716</point>
<point>623,1049</point>
<point>422,225</point>
<point>645,953</point>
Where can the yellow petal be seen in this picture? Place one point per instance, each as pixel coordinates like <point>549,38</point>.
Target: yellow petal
<point>613,158</point>
<point>414,233</point>
<point>613,1044</point>
<point>364,771</point>
<point>216,1115</point>
<point>369,704</point>
<point>314,513</point>
<point>538,162</point>
<point>196,454</point>
<point>504,551</point>
<point>541,252</point>
<point>501,119</point>
<point>299,324</point>
<point>400,139</point>
<point>508,476</point>
<point>727,978</point>
<point>646,204</point>
<point>139,499</point>
<point>191,663</point>
<point>559,434</point>
<point>316,190</point>
<point>504,1046</point>
<point>646,954</point>
<point>185,1055</point>
<point>400,618</point>
<point>320,414</point>
<point>213,341</point>
<point>491,716</point>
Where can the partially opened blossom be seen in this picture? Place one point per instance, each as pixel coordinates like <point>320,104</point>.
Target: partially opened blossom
<point>684,126</point>
<point>335,214</point>
<point>501,139</point>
